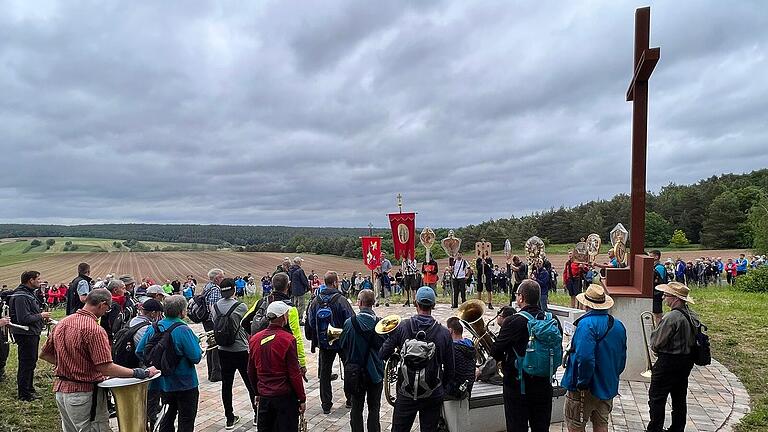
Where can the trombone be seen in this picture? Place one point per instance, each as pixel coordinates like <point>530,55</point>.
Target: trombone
<point>210,341</point>
<point>650,358</point>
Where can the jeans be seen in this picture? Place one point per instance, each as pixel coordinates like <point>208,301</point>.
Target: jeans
<point>75,412</point>
<point>405,414</point>
<point>232,362</point>
<point>534,408</point>
<point>325,369</point>
<point>278,414</point>
<point>543,302</point>
<point>373,393</point>
<point>27,345</point>
<point>183,403</point>
<point>212,358</point>
<point>670,378</point>
<point>459,289</point>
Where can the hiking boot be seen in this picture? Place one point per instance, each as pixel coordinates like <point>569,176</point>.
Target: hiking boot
<point>348,404</point>
<point>490,306</point>
<point>334,377</point>
<point>386,304</point>
<point>232,422</point>
<point>406,304</point>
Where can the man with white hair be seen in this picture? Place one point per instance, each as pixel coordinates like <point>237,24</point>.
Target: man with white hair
<point>299,286</point>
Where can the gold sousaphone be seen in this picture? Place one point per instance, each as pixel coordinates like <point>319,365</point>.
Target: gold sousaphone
<point>383,327</point>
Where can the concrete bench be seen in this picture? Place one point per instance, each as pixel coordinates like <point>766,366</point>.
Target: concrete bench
<point>484,411</point>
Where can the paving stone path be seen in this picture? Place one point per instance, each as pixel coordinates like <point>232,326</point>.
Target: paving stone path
<point>716,398</point>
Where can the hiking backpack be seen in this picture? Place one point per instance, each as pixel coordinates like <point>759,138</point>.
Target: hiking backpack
<point>544,352</point>
<point>197,309</point>
<point>160,351</point>
<point>259,319</point>
<point>324,318</point>
<point>124,347</point>
<point>701,351</point>
<point>419,375</point>
<point>123,319</point>
<point>225,329</point>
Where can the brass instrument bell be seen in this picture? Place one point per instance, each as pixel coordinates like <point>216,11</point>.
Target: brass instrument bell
<point>333,334</point>
<point>387,324</point>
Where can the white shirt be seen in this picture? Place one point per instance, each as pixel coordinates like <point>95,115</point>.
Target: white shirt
<point>460,269</point>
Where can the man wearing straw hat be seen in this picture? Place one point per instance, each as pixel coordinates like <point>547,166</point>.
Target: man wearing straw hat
<point>596,358</point>
<point>672,341</point>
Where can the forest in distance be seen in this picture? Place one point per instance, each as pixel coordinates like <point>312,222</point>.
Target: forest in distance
<point>726,211</point>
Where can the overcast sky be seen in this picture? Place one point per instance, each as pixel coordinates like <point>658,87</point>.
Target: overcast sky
<point>319,113</point>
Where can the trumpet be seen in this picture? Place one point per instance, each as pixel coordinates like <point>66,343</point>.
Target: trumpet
<point>210,341</point>
<point>649,362</point>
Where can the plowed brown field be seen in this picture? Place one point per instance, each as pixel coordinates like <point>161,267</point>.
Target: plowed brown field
<point>159,266</point>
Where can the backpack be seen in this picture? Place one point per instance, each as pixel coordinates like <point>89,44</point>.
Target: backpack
<point>589,276</point>
<point>259,320</point>
<point>544,352</point>
<point>124,347</point>
<point>324,318</point>
<point>197,309</point>
<point>159,350</point>
<point>225,329</point>
<point>701,351</point>
<point>418,374</point>
<point>123,319</point>
<point>356,379</point>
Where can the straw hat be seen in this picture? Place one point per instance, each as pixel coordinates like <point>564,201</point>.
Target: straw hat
<point>676,289</point>
<point>595,298</point>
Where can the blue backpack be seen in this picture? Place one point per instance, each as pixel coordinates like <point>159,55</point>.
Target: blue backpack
<point>324,318</point>
<point>544,352</point>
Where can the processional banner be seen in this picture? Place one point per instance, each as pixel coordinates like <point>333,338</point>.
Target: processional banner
<point>403,234</point>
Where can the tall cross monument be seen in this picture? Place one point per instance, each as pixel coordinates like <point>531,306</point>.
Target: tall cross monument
<point>636,280</point>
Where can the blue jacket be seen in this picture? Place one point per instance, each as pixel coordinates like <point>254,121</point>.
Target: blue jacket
<point>680,269</point>
<point>542,277</point>
<point>187,346</point>
<point>741,264</point>
<point>596,367</point>
<point>355,345</point>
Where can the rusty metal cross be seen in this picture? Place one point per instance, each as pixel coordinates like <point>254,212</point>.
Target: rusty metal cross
<point>645,61</point>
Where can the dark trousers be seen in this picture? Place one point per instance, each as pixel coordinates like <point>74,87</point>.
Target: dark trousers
<point>5,348</point>
<point>212,358</point>
<point>325,369</point>
<point>153,407</point>
<point>533,408</point>
<point>459,288</point>
<point>28,345</point>
<point>406,410</point>
<point>181,403</point>
<point>373,393</point>
<point>232,362</point>
<point>670,377</point>
<point>278,414</point>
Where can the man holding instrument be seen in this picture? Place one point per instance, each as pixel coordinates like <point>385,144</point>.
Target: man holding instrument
<point>79,348</point>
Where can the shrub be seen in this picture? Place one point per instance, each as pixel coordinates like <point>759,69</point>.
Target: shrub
<point>35,243</point>
<point>756,280</point>
<point>50,242</point>
<point>679,239</point>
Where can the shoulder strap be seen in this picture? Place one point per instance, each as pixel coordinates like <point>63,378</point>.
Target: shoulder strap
<point>527,315</point>
<point>611,321</point>
<point>172,327</point>
<point>231,309</point>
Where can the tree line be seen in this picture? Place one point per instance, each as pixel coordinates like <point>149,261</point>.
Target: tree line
<point>727,211</point>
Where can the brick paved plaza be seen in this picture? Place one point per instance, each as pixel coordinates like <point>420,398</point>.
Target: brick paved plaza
<point>716,401</point>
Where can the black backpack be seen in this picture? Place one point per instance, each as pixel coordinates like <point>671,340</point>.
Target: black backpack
<point>124,348</point>
<point>123,319</point>
<point>159,350</point>
<point>701,351</point>
<point>225,329</point>
<point>259,319</point>
<point>197,309</point>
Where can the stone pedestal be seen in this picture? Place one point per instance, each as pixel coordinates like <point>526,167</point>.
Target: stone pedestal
<point>628,310</point>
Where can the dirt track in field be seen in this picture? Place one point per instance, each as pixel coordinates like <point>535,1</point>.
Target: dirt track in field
<point>172,265</point>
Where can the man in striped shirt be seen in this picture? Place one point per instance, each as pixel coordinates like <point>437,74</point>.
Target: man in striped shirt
<point>79,348</point>
<point>212,294</point>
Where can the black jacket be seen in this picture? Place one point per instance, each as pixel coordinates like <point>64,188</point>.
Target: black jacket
<point>513,338</point>
<point>73,299</point>
<point>25,310</point>
<point>299,282</point>
<point>464,359</point>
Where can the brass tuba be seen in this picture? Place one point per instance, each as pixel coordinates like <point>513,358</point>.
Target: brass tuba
<point>471,315</point>
<point>647,316</point>
<point>385,326</point>
<point>130,401</point>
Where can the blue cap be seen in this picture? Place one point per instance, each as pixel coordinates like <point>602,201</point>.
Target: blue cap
<point>425,296</point>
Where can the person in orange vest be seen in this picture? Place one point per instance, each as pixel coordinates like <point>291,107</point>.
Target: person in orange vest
<point>429,273</point>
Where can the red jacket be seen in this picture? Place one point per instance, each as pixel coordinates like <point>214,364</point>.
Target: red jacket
<point>273,364</point>
<point>730,268</point>
<point>575,271</point>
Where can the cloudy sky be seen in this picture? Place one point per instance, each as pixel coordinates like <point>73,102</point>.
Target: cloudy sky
<point>319,113</point>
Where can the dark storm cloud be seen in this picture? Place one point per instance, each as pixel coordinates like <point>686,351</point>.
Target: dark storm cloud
<point>299,113</point>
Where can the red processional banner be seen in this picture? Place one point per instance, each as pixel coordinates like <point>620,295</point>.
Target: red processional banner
<point>403,234</point>
<point>371,252</point>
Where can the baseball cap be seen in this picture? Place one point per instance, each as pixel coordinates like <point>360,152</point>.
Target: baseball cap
<point>152,305</point>
<point>425,296</point>
<point>156,289</point>
<point>227,284</point>
<point>277,309</point>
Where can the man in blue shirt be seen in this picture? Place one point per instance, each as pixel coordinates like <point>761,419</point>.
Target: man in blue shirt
<point>180,388</point>
<point>596,358</point>
<point>741,265</point>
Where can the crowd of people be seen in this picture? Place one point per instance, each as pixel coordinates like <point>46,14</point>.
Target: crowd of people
<point>117,327</point>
